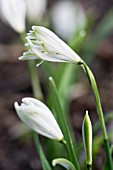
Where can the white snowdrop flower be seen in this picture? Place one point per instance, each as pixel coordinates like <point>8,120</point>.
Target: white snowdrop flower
<point>45,45</point>
<point>67,17</point>
<point>35,10</point>
<point>13,12</point>
<point>39,118</point>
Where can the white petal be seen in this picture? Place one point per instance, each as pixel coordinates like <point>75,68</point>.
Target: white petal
<point>27,57</point>
<point>13,12</point>
<point>48,57</point>
<point>50,39</point>
<point>39,118</point>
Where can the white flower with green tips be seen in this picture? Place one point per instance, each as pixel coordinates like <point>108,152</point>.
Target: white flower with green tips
<point>39,118</point>
<point>45,45</point>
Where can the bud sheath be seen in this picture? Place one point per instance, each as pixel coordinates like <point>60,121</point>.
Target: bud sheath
<point>87,138</point>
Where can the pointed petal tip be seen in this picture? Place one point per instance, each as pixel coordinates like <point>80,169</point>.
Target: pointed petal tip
<point>16,105</point>
<point>24,56</point>
<point>53,162</point>
<point>26,100</point>
<point>21,57</point>
<point>34,27</point>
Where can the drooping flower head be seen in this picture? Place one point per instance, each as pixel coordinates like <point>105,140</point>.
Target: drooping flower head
<point>45,45</point>
<point>39,118</point>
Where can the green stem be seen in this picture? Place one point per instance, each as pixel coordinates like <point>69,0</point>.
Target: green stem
<point>68,152</point>
<point>89,167</point>
<point>35,80</point>
<point>100,112</point>
<point>67,149</point>
<point>70,147</point>
<point>44,162</point>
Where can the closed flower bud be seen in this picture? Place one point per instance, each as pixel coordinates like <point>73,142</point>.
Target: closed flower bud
<point>13,12</point>
<point>45,45</point>
<point>39,118</point>
<point>87,138</point>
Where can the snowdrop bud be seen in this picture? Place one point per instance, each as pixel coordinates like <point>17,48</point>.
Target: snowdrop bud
<point>45,45</point>
<point>13,12</point>
<point>87,138</point>
<point>39,118</point>
<point>35,10</point>
<point>72,16</point>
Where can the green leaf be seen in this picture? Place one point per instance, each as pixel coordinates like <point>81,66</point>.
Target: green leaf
<point>68,78</point>
<point>61,119</point>
<point>108,116</point>
<point>77,41</point>
<point>104,28</point>
<point>63,162</point>
<point>44,162</point>
<point>35,80</point>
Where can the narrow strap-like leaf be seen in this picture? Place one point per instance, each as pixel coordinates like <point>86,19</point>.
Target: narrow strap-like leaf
<point>63,162</point>
<point>44,162</point>
<point>60,116</point>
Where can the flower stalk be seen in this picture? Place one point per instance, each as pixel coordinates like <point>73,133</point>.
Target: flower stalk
<point>89,167</point>
<point>35,80</point>
<point>93,84</point>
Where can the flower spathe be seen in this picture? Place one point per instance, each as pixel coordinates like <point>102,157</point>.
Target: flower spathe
<point>45,45</point>
<point>13,12</point>
<point>39,118</point>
